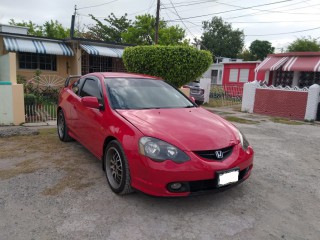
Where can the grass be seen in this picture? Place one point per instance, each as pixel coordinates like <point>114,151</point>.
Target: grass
<point>240,120</point>
<point>285,121</point>
<point>221,103</point>
<point>46,152</point>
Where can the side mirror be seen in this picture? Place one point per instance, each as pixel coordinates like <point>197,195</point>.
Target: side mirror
<point>91,102</point>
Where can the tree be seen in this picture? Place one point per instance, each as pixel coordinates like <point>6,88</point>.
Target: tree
<point>246,55</point>
<point>304,45</point>
<point>33,29</point>
<point>142,32</point>
<point>54,29</point>
<point>219,37</point>
<point>176,64</point>
<point>260,49</point>
<point>50,29</point>
<point>110,32</point>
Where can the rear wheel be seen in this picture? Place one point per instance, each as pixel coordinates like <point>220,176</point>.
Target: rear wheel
<point>62,127</point>
<point>117,169</point>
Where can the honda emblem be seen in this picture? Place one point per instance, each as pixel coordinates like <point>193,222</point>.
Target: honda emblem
<point>219,154</point>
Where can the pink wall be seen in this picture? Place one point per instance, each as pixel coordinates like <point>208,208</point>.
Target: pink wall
<point>279,103</point>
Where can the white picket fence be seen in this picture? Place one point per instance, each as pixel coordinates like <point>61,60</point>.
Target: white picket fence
<point>40,113</point>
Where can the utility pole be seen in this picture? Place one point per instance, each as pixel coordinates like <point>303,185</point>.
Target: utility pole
<point>72,22</point>
<point>157,23</point>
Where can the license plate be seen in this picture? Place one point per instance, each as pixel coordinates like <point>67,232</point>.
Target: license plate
<point>228,177</point>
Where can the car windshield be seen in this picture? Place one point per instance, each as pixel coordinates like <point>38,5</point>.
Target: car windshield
<point>140,93</point>
<point>193,84</point>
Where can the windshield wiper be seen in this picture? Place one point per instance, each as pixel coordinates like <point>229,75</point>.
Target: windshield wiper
<point>191,106</point>
<point>148,108</point>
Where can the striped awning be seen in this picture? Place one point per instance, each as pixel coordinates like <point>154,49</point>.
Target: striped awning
<point>271,63</point>
<point>36,46</point>
<point>306,64</point>
<point>102,51</point>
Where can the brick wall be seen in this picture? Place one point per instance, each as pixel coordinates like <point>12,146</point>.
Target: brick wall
<point>281,103</point>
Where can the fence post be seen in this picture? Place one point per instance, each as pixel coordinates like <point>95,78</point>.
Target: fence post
<point>312,102</point>
<point>248,96</point>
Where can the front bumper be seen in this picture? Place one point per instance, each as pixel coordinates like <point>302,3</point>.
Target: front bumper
<point>197,175</point>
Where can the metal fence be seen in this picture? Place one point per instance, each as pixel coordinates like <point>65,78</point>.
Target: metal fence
<point>225,95</point>
<point>40,113</point>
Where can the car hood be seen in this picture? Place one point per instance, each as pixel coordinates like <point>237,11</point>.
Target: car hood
<point>190,129</point>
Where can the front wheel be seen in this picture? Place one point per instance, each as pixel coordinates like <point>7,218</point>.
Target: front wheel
<point>62,127</point>
<point>117,169</point>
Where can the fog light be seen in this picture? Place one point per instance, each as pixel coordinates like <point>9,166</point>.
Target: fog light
<point>175,186</point>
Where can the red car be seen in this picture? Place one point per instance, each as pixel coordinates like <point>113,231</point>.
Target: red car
<point>150,137</point>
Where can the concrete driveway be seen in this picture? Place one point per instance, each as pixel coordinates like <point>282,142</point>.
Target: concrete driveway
<point>54,190</point>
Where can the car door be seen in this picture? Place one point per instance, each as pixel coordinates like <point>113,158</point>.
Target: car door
<point>74,100</point>
<point>89,120</point>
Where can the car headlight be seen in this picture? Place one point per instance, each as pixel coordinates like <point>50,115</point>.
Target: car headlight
<point>160,151</point>
<point>244,142</point>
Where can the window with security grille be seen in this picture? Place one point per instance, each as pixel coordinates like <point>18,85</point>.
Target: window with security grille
<point>283,78</point>
<point>308,78</point>
<point>93,63</point>
<point>37,61</point>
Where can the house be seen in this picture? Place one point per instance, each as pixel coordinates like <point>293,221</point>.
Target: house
<point>61,57</point>
<point>22,56</point>
<point>229,71</point>
<point>294,90</point>
<point>292,69</point>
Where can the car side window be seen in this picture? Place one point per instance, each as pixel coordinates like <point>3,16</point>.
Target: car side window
<point>77,85</point>
<point>91,88</point>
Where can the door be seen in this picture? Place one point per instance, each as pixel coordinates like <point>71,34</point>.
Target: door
<point>89,123</point>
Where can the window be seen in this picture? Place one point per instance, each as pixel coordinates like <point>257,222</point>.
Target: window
<point>214,76</point>
<point>136,93</point>
<point>308,78</point>
<point>220,77</point>
<point>91,89</point>
<point>233,75</point>
<point>283,78</point>
<point>37,61</point>
<point>91,63</point>
<point>244,75</point>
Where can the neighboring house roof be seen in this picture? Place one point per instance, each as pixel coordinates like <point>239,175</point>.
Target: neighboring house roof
<point>292,61</point>
<point>25,43</point>
<point>15,44</point>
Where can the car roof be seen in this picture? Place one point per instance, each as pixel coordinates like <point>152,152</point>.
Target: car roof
<point>123,75</point>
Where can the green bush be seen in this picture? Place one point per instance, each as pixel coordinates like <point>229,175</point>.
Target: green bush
<point>177,65</point>
<point>30,99</point>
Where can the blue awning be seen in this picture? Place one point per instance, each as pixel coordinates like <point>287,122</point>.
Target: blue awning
<point>37,46</point>
<point>102,50</point>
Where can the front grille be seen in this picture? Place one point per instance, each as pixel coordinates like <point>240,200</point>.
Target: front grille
<point>211,184</point>
<point>218,154</point>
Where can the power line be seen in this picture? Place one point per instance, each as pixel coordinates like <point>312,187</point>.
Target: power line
<point>97,5</point>
<point>186,25</point>
<point>190,4</point>
<point>269,11</point>
<point>255,14</point>
<point>272,34</point>
<point>205,15</point>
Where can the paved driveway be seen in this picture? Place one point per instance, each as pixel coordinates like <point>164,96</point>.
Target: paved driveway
<point>54,190</point>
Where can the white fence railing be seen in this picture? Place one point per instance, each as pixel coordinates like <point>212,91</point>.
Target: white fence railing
<point>40,113</point>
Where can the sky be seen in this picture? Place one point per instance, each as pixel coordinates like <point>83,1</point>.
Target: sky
<point>278,21</point>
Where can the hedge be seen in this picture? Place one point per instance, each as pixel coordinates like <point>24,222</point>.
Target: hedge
<point>177,65</point>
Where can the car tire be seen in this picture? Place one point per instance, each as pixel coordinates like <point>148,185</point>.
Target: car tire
<point>117,169</point>
<point>62,127</point>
